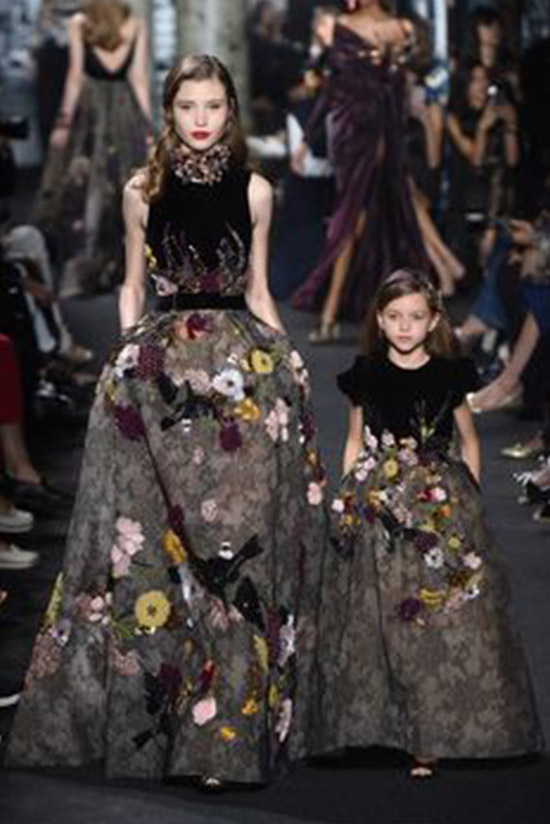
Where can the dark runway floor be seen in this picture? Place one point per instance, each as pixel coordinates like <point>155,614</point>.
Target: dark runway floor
<point>367,788</point>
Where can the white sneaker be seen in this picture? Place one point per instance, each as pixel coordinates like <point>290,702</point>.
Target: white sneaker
<point>16,521</point>
<point>13,557</point>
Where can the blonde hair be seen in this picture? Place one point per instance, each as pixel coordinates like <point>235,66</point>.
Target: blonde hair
<point>104,20</point>
<point>441,341</point>
<point>193,67</point>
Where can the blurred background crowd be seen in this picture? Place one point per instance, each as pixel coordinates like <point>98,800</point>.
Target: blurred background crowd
<point>478,172</point>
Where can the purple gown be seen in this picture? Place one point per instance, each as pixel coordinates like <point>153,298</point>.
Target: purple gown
<point>365,102</point>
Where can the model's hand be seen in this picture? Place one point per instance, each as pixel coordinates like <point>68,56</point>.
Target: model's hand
<point>298,158</point>
<point>59,137</point>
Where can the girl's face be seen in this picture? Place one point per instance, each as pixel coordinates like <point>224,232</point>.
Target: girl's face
<point>406,323</point>
<point>201,111</point>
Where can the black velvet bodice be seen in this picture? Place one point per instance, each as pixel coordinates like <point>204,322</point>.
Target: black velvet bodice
<point>199,236</point>
<point>95,68</point>
<point>415,403</point>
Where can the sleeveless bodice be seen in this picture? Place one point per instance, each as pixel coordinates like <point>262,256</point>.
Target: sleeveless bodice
<point>95,68</point>
<point>199,236</point>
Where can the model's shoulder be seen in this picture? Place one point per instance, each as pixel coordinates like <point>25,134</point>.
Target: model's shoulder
<point>260,188</point>
<point>136,185</point>
<point>135,201</point>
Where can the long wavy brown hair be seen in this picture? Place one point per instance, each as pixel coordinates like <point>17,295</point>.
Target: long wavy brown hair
<point>104,21</point>
<point>441,341</point>
<point>193,67</point>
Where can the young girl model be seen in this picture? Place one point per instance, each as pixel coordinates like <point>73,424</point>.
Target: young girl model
<point>428,661</point>
<point>180,638</point>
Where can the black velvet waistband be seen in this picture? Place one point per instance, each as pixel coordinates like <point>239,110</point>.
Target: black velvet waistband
<point>199,300</point>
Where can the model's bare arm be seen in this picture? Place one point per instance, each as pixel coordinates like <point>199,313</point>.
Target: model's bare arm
<point>258,296</point>
<point>132,294</point>
<point>138,76</point>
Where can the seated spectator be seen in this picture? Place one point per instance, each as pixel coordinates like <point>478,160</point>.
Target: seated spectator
<point>25,245</point>
<point>526,296</point>
<point>484,155</point>
<point>490,48</point>
<point>425,143</point>
<point>22,482</point>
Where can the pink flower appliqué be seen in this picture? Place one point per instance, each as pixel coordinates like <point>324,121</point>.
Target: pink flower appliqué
<point>315,494</point>
<point>129,541</point>
<point>204,711</point>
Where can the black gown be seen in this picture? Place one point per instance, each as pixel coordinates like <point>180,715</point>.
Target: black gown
<point>427,659</point>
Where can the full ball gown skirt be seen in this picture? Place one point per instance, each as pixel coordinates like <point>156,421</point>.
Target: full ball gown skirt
<point>425,657</point>
<point>180,639</point>
<point>190,579</point>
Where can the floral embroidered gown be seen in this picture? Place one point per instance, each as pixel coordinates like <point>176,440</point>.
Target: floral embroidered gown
<point>181,634</point>
<point>427,658</point>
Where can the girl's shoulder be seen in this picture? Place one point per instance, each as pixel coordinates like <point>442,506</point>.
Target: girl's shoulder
<point>359,380</point>
<point>455,375</point>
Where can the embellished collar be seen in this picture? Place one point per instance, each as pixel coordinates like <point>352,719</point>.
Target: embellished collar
<point>206,167</point>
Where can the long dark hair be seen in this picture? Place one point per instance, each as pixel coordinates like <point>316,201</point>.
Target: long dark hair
<point>193,67</point>
<point>440,342</point>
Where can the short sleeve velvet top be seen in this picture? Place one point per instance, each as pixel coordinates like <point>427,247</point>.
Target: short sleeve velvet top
<point>415,403</point>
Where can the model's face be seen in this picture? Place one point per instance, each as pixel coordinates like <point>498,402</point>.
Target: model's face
<point>201,111</point>
<point>406,322</point>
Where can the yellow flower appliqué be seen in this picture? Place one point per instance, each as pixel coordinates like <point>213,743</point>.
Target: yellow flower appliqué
<point>152,609</point>
<point>391,468</point>
<point>228,734</point>
<point>248,410</point>
<point>250,707</point>
<point>174,547</point>
<point>261,362</point>
<point>262,652</point>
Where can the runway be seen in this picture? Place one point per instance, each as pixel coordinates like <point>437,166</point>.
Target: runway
<point>369,788</point>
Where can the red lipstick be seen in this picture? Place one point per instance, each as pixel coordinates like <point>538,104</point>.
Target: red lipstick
<point>200,134</point>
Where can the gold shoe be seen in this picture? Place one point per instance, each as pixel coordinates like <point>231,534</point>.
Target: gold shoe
<point>511,401</point>
<point>324,333</point>
<point>521,451</point>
